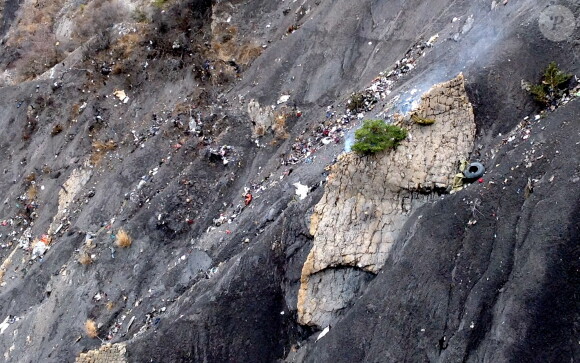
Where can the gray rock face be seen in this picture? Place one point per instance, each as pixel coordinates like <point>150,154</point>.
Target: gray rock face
<point>486,274</point>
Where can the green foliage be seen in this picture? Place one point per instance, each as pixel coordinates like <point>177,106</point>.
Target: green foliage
<point>358,101</point>
<point>159,3</point>
<point>554,77</point>
<point>552,85</point>
<point>139,16</point>
<point>422,120</point>
<point>376,135</point>
<point>539,92</point>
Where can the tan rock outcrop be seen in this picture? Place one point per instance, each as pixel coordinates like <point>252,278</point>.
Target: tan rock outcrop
<point>261,117</point>
<point>109,353</point>
<point>368,199</point>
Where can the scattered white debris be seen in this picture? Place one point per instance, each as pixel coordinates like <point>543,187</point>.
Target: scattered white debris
<point>433,39</point>
<point>39,249</point>
<point>4,324</point>
<point>121,95</point>
<point>472,325</point>
<point>323,333</point>
<point>468,25</point>
<point>326,140</point>
<point>283,99</point>
<point>130,323</point>
<point>301,190</point>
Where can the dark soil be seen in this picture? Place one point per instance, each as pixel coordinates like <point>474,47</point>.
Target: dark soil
<point>502,289</point>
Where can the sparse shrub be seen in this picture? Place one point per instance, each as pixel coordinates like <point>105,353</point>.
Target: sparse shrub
<point>91,329</point>
<point>30,178</point>
<point>140,16</point>
<point>75,110</point>
<point>32,192</point>
<point>34,40</point>
<point>100,148</point>
<point>123,239</point>
<point>422,120</point>
<point>222,73</point>
<point>159,3</point>
<point>227,46</point>
<point>359,101</point>
<point>29,128</point>
<point>279,126</point>
<point>98,17</point>
<point>85,259</point>
<point>57,129</point>
<point>552,85</point>
<point>259,130</point>
<point>248,52</point>
<point>376,135</point>
<point>110,305</point>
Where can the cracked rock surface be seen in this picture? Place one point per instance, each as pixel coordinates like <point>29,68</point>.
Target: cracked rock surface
<point>368,199</point>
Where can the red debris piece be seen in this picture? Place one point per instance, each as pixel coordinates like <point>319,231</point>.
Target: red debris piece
<point>480,180</point>
<point>248,199</point>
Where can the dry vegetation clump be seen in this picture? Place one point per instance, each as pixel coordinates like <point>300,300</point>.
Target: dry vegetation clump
<point>279,126</point>
<point>183,108</point>
<point>34,40</point>
<point>30,178</point>
<point>57,129</point>
<point>29,128</point>
<point>223,73</point>
<point>75,110</point>
<point>85,259</point>
<point>100,148</point>
<point>259,130</point>
<point>125,46</point>
<point>91,328</point>
<point>227,47</point>
<point>32,192</point>
<point>97,17</point>
<point>123,239</point>
<point>248,52</point>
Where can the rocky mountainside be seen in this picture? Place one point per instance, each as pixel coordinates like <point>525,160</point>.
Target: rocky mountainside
<point>177,182</point>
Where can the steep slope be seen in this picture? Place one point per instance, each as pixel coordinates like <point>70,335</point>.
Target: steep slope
<point>227,99</point>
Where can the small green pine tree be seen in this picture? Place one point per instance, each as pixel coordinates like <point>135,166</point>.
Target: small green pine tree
<point>552,85</point>
<point>554,77</point>
<point>376,135</point>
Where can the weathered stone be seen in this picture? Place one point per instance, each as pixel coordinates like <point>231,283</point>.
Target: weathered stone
<point>108,353</point>
<point>368,199</point>
<point>72,186</point>
<point>261,118</point>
